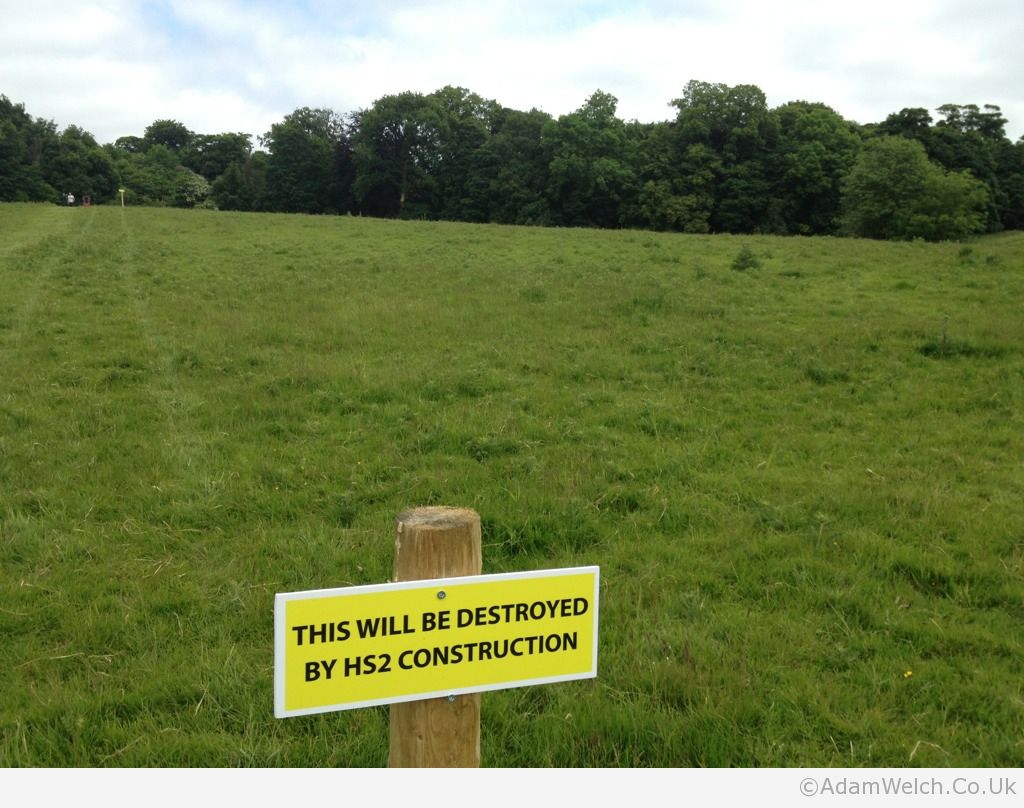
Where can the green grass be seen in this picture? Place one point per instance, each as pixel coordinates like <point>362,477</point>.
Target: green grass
<point>802,481</point>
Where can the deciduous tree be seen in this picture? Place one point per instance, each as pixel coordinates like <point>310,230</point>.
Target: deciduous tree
<point>727,136</point>
<point>301,175</point>
<point>816,149</point>
<point>396,149</point>
<point>80,166</point>
<point>894,192</point>
<point>172,134</point>
<point>508,176</point>
<point>26,144</point>
<point>210,155</point>
<point>590,174</point>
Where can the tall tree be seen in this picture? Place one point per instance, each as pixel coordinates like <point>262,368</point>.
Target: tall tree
<point>816,149</point>
<point>509,172</point>
<point>1010,170</point>
<point>242,185</point>
<point>465,122</point>
<point>150,177</point>
<point>590,174</point>
<point>967,138</point>
<point>665,198</point>
<point>910,122</point>
<point>301,175</point>
<point>80,166</point>
<point>894,192</point>
<point>130,144</point>
<point>396,150</point>
<point>210,155</point>
<point>26,145</point>
<point>726,139</point>
<point>172,134</point>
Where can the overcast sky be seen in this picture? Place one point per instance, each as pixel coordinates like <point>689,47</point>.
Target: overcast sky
<point>115,66</point>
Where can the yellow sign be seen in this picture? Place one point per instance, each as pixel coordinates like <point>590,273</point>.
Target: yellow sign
<point>339,649</point>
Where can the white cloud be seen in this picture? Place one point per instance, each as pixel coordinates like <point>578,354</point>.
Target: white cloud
<point>114,66</point>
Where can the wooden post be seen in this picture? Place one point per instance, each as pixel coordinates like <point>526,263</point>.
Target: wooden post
<point>436,543</point>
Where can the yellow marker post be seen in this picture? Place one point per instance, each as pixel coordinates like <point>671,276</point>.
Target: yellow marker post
<point>340,649</point>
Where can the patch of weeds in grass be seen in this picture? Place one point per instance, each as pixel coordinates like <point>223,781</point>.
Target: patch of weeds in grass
<point>619,500</point>
<point>533,294</point>
<point>709,312</point>
<point>488,448</point>
<point>16,419</point>
<point>378,396</point>
<point>923,578</point>
<point>945,346</point>
<point>333,402</point>
<point>477,384</point>
<point>654,300</point>
<point>346,509</point>
<point>745,259</point>
<point>820,374</point>
<point>186,360</point>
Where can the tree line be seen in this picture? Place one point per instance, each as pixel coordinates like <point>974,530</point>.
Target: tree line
<point>726,163</point>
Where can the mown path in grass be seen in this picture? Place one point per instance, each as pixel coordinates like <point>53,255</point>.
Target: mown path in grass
<point>802,480</point>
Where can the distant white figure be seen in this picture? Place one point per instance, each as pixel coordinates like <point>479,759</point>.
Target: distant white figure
<point>71,199</point>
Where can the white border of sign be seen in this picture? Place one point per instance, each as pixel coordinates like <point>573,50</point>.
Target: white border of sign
<point>280,630</point>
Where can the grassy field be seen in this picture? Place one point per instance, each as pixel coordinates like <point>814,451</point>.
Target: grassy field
<point>798,462</point>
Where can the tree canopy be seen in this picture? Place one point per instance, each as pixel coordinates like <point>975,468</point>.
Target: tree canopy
<point>894,192</point>
<point>301,175</point>
<point>726,162</point>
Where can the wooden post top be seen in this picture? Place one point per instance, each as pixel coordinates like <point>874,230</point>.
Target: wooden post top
<point>436,542</point>
<point>437,517</point>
